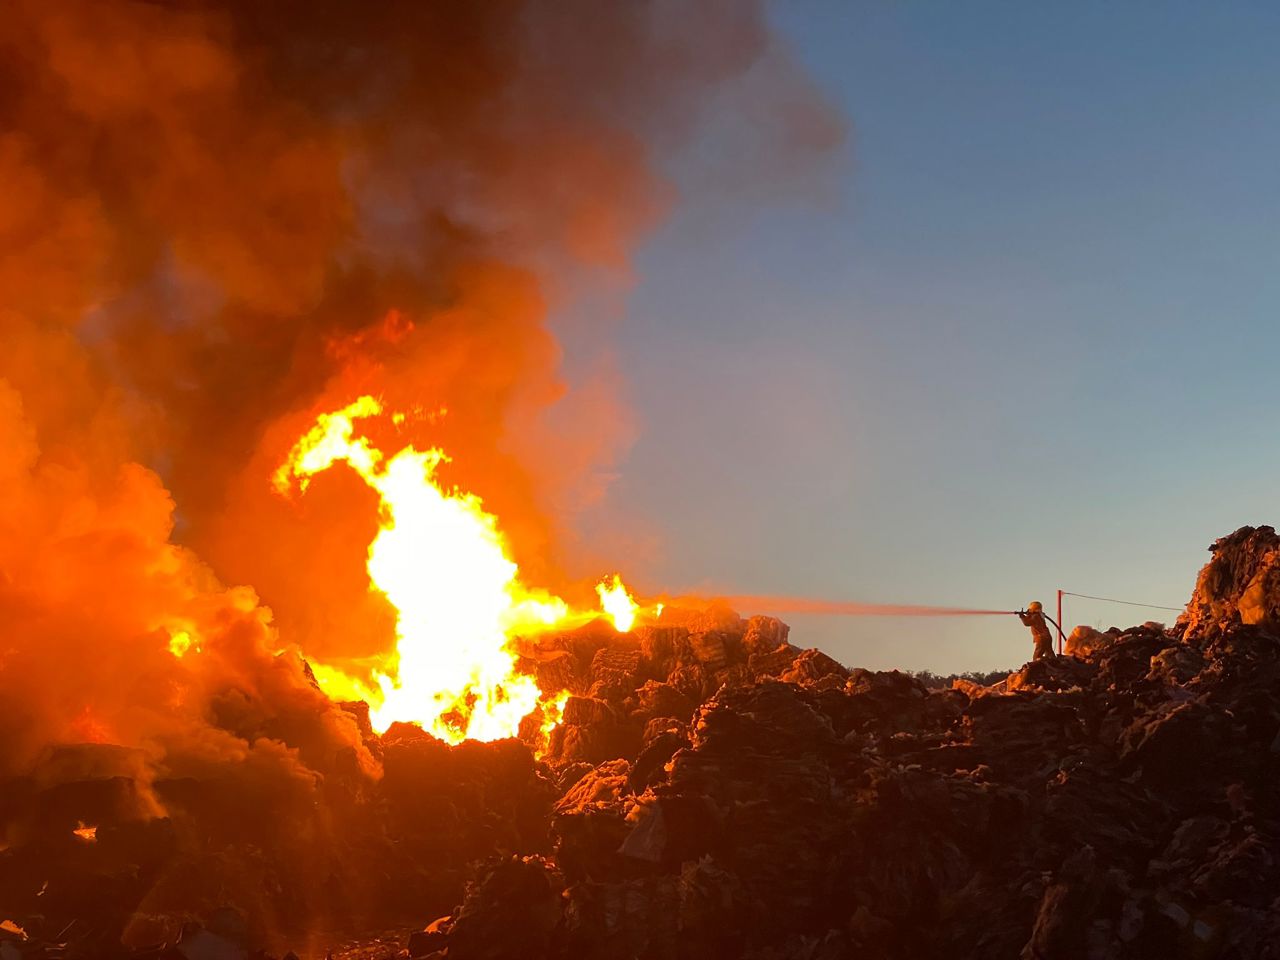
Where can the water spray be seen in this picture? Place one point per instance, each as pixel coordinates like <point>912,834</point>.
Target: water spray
<point>849,608</point>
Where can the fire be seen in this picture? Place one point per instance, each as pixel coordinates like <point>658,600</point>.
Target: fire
<point>180,642</point>
<point>617,603</point>
<point>442,562</point>
<point>89,834</point>
<point>553,713</point>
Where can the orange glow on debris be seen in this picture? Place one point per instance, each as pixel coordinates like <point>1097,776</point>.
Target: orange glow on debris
<point>553,713</point>
<point>87,834</point>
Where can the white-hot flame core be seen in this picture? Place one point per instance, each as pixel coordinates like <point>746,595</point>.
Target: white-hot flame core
<point>617,603</point>
<point>442,562</point>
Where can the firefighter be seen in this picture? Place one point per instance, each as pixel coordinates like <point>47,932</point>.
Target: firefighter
<point>1033,617</point>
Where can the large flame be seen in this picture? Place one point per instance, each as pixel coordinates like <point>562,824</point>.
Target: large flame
<point>442,562</point>
<point>617,603</point>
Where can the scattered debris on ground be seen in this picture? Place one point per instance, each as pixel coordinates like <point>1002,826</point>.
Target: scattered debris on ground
<point>715,791</point>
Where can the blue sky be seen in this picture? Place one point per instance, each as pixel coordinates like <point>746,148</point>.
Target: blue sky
<point>1026,342</point>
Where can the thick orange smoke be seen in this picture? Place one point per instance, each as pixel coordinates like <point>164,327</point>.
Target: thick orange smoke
<point>224,218</point>
<point>94,594</point>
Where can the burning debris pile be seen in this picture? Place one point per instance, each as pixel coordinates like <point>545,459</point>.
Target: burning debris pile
<point>239,714</point>
<point>224,220</point>
<point>713,790</point>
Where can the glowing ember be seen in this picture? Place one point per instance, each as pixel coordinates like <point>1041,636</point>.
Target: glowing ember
<point>442,562</point>
<point>87,834</point>
<point>617,603</point>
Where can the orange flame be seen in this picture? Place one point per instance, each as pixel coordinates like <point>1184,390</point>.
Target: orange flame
<point>87,834</point>
<point>180,641</point>
<point>442,562</point>
<point>553,713</point>
<point>617,603</point>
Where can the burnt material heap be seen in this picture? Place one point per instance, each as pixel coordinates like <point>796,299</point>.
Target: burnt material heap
<point>715,791</point>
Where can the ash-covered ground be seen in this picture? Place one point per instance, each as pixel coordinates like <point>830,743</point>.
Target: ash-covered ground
<point>715,791</point>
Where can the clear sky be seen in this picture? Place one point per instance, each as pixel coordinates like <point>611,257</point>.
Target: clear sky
<point>1028,341</point>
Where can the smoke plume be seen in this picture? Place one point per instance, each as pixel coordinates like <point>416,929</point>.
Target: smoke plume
<point>222,217</point>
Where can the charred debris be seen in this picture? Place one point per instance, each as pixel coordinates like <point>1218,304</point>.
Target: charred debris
<point>715,791</point>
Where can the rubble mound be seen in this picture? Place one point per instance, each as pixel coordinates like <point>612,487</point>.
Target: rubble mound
<point>715,791</point>
<point>1240,585</point>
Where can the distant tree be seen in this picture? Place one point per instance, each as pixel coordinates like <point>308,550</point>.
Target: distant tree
<point>936,682</point>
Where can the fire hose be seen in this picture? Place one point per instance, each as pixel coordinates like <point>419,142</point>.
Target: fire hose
<point>854,609</point>
<point>849,608</point>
